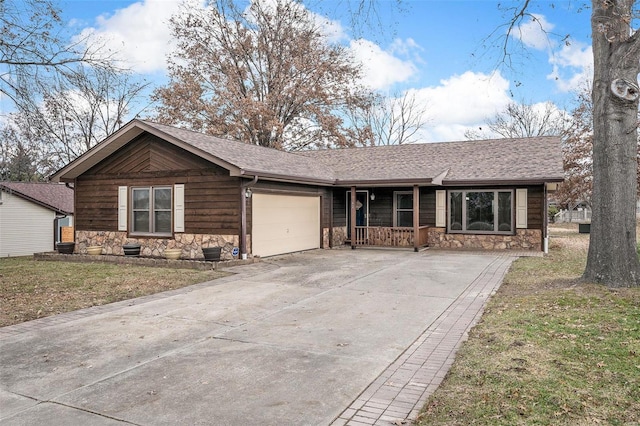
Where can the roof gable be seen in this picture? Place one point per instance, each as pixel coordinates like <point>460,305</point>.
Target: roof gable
<point>533,160</point>
<point>54,196</point>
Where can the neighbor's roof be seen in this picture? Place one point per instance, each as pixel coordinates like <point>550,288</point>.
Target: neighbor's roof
<point>531,160</point>
<point>54,196</point>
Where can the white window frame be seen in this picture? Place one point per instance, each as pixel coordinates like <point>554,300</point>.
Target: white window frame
<point>151,210</point>
<point>396,210</point>
<point>495,212</point>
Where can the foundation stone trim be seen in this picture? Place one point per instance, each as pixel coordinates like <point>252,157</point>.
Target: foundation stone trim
<point>524,239</point>
<point>191,244</point>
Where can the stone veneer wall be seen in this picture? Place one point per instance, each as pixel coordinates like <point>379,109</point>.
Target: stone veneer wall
<point>191,244</point>
<point>524,239</point>
<point>325,238</point>
<point>339,236</point>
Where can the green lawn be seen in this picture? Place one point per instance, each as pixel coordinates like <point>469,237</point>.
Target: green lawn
<point>548,350</point>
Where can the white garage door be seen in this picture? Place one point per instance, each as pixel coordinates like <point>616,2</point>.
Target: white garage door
<point>284,224</point>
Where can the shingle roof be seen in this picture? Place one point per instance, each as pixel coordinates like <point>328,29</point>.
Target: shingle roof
<point>534,160</point>
<point>251,158</point>
<point>467,161</point>
<point>54,196</point>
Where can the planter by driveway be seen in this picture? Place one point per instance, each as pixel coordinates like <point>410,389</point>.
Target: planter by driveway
<point>308,338</point>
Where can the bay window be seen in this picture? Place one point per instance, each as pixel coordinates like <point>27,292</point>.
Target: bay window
<point>481,211</point>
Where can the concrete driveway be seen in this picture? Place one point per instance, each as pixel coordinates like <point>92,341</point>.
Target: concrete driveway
<point>294,339</point>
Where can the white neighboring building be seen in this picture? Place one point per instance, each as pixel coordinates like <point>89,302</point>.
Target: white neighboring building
<point>31,216</point>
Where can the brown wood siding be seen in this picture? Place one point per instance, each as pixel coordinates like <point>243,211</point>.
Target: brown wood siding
<point>148,153</point>
<point>339,207</point>
<point>535,207</point>
<point>380,209</point>
<point>427,207</point>
<point>212,197</point>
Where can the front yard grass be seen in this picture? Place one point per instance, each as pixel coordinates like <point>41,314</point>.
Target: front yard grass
<point>548,350</point>
<point>32,289</point>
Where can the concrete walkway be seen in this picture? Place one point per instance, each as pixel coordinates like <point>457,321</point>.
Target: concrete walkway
<point>324,337</point>
<point>402,389</point>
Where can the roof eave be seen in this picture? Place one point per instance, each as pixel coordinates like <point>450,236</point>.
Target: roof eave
<point>519,181</point>
<point>384,182</point>
<point>285,178</point>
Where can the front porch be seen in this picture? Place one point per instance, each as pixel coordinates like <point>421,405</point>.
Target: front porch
<point>397,217</point>
<point>389,236</point>
<point>417,217</point>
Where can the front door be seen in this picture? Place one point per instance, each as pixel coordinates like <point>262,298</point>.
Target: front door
<point>362,210</point>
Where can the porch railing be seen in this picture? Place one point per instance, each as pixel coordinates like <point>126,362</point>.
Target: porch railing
<point>389,236</point>
<point>423,236</point>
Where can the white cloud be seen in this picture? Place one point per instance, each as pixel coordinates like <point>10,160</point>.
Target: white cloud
<point>535,32</point>
<point>381,68</point>
<point>407,48</point>
<point>461,103</point>
<point>466,98</point>
<point>138,35</point>
<point>572,66</point>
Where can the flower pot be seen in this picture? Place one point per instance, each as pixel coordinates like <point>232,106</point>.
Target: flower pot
<point>131,249</point>
<point>94,250</point>
<point>173,254</point>
<point>211,254</point>
<point>65,248</point>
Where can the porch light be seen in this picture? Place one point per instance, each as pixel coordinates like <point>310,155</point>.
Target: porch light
<point>247,193</point>
<point>373,196</point>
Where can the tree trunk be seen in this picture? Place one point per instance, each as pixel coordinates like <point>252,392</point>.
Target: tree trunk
<point>612,258</point>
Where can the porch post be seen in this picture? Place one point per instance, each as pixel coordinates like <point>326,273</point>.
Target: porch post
<point>416,217</point>
<point>331,218</point>
<point>353,217</point>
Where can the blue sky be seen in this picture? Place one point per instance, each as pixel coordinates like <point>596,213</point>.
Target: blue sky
<point>435,48</point>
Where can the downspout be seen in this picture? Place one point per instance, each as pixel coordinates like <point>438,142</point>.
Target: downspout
<point>57,219</point>
<point>545,228</point>
<point>243,215</point>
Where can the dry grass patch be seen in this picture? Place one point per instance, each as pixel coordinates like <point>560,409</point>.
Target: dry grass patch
<point>548,350</point>
<point>30,289</point>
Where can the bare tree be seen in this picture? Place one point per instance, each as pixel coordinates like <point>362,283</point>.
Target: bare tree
<point>396,120</point>
<point>72,112</point>
<point>35,45</point>
<point>522,120</point>
<point>364,14</point>
<point>266,75</point>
